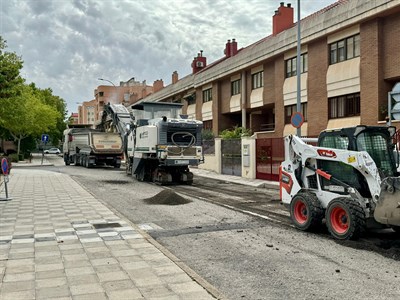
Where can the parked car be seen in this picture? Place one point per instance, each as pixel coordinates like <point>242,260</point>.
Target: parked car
<point>52,151</point>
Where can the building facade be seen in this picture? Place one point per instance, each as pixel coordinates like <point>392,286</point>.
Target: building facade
<point>126,93</point>
<point>349,62</point>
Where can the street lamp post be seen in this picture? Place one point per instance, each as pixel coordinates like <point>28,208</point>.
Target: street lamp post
<point>106,80</point>
<point>298,75</point>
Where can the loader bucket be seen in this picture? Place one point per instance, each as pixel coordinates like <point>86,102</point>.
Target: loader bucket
<point>387,209</point>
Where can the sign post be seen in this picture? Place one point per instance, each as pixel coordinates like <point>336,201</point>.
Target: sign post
<point>5,171</point>
<point>394,104</point>
<point>45,139</point>
<point>297,120</point>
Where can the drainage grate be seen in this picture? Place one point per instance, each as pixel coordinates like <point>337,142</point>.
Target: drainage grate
<point>106,225</point>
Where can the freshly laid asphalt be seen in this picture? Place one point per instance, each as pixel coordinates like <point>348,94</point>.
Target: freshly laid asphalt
<point>57,241</point>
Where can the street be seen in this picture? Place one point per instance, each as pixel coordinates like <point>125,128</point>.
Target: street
<point>240,240</point>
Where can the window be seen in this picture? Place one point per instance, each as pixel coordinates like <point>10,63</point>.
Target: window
<point>191,99</point>
<point>257,80</point>
<point>207,125</point>
<point>207,95</point>
<point>344,106</point>
<point>345,49</point>
<point>291,65</point>
<point>235,87</point>
<point>101,94</point>
<point>291,109</point>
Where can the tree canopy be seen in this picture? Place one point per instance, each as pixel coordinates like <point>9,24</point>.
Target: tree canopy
<point>25,110</point>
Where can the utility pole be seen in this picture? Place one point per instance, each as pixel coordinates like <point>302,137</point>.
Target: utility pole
<point>298,74</point>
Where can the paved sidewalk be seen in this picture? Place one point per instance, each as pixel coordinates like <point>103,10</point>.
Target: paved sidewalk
<point>58,242</point>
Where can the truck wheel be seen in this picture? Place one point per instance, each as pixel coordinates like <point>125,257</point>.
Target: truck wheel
<point>306,211</point>
<point>66,160</point>
<point>117,166</point>
<point>345,218</point>
<point>140,175</point>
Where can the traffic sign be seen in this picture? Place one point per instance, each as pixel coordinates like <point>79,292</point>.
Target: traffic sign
<point>45,138</point>
<point>4,166</point>
<point>297,119</point>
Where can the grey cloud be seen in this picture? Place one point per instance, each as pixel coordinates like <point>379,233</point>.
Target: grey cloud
<point>68,44</point>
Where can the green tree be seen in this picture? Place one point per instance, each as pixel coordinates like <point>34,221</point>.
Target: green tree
<point>10,66</point>
<point>27,115</point>
<point>47,97</point>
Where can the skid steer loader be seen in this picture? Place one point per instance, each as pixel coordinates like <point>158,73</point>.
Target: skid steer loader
<point>350,180</point>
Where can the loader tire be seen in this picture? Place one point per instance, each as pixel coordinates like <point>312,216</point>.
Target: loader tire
<point>345,219</point>
<point>306,211</point>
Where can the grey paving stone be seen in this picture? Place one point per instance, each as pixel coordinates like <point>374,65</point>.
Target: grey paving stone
<point>48,254</point>
<point>50,274</point>
<point>72,251</point>
<point>186,287</point>
<point>17,286</point>
<point>75,257</point>
<point>112,276</point>
<point>176,278</point>
<point>197,295</point>
<point>52,292</point>
<point>83,279</point>
<point>97,296</point>
<point>97,249</point>
<point>144,277</point>
<point>64,247</point>
<point>20,262</point>
<point>23,295</point>
<point>90,288</point>
<point>97,255</point>
<point>169,269</point>
<point>47,260</point>
<point>107,268</point>
<point>76,264</point>
<point>20,269</point>
<point>51,282</point>
<point>19,277</point>
<point>118,285</point>
<point>125,294</point>
<point>20,255</point>
<point>104,261</point>
<point>157,292</point>
<point>134,265</point>
<point>79,271</point>
<point>49,267</point>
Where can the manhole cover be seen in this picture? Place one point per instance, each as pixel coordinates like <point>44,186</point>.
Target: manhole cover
<point>106,225</point>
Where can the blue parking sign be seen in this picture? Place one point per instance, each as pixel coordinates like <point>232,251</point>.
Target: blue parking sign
<point>45,138</point>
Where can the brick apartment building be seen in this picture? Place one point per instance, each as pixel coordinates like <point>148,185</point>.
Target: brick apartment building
<point>125,93</point>
<point>350,60</point>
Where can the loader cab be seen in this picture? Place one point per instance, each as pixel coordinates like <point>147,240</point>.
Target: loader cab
<point>376,140</point>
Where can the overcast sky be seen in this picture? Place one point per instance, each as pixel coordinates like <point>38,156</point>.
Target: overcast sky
<point>66,45</point>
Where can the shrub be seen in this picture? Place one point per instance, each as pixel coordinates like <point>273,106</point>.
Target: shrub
<point>14,157</point>
<point>235,133</point>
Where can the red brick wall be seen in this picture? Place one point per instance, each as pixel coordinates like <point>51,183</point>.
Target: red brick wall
<point>371,71</point>
<point>269,82</point>
<point>317,106</point>
<point>279,75</point>
<point>391,47</point>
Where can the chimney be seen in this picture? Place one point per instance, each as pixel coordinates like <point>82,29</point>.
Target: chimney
<point>175,77</point>
<point>283,18</point>
<point>158,85</point>
<point>228,49</point>
<point>199,62</point>
<point>233,47</point>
